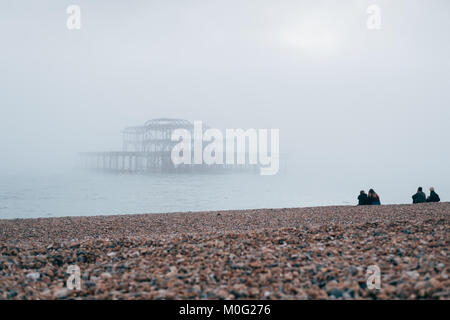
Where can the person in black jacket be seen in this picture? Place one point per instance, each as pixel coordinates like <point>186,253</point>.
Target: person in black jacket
<point>362,198</point>
<point>419,196</point>
<point>434,197</point>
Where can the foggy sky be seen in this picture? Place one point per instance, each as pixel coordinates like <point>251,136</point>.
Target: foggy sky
<point>347,100</point>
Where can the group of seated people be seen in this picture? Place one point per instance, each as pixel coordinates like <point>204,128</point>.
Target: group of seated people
<point>372,197</point>
<point>421,197</point>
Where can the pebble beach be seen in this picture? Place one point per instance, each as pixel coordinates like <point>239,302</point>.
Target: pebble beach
<point>292,253</point>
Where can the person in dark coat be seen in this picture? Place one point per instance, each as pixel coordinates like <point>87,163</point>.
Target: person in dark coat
<point>419,196</point>
<point>434,197</point>
<point>373,198</point>
<point>362,198</point>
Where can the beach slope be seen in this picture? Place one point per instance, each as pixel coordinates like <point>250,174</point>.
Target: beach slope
<point>295,253</point>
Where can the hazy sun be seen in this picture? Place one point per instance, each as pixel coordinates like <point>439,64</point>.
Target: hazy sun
<point>312,36</point>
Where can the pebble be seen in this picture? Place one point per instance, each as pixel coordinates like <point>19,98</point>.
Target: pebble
<point>299,253</point>
<point>33,275</point>
<point>61,293</point>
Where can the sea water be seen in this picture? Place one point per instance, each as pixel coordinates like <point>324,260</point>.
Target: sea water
<point>85,193</point>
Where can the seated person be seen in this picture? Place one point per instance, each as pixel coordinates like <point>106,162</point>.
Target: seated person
<point>434,197</point>
<point>362,198</point>
<point>373,198</point>
<point>419,196</point>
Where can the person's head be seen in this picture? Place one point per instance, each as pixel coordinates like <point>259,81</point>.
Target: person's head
<point>419,189</point>
<point>372,193</point>
<point>431,189</point>
<point>361,192</point>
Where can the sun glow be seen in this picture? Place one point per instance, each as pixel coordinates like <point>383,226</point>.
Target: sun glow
<point>313,37</point>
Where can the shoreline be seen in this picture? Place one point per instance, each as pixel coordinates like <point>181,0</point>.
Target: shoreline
<point>203,211</point>
<point>290,253</point>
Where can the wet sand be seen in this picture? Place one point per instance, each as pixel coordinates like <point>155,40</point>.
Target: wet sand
<point>298,253</point>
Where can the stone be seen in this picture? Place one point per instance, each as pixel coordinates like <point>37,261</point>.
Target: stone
<point>33,276</point>
<point>61,293</point>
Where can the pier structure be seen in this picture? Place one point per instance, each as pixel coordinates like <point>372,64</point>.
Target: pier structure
<point>147,149</point>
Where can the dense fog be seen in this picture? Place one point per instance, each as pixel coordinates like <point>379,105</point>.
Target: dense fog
<point>356,108</point>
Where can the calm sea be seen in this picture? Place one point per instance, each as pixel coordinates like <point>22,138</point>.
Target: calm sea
<point>81,193</point>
